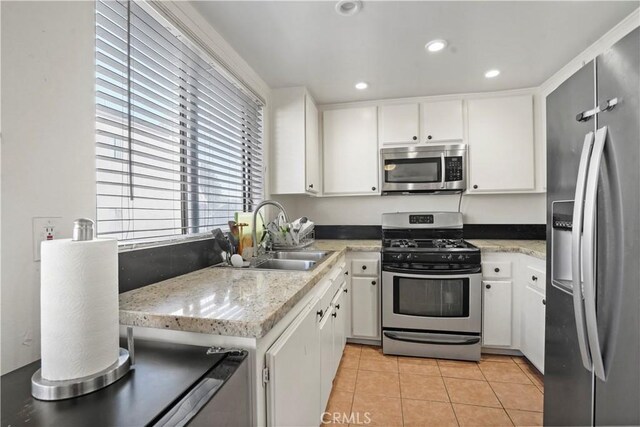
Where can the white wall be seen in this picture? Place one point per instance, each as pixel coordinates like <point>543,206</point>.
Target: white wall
<point>48,155</point>
<point>367,210</point>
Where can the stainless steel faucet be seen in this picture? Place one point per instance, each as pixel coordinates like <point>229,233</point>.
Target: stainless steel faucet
<point>254,238</point>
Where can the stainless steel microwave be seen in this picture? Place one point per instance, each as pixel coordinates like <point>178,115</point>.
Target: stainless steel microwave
<point>426,169</point>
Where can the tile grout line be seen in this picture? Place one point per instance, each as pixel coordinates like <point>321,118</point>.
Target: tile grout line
<point>496,394</point>
<point>448,395</point>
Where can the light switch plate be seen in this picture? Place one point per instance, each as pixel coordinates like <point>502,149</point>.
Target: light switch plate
<point>44,228</point>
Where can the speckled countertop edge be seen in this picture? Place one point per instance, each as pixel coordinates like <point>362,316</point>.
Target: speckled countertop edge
<point>260,298</point>
<point>534,248</point>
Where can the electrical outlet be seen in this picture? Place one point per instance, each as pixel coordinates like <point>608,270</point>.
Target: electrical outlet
<point>44,228</point>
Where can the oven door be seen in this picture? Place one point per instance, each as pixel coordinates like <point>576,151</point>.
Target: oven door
<point>410,170</point>
<point>432,302</point>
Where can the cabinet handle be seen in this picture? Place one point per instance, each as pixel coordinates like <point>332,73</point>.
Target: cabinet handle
<point>346,273</point>
<point>497,269</point>
<point>346,291</point>
<point>373,282</point>
<point>544,301</point>
<point>320,313</point>
<point>414,138</point>
<point>475,187</point>
<point>373,188</point>
<point>334,314</point>
<point>310,185</point>
<point>429,137</point>
<point>364,267</point>
<point>487,286</point>
<point>534,278</point>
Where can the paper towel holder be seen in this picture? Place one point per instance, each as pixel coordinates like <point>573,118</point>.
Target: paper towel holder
<point>43,389</point>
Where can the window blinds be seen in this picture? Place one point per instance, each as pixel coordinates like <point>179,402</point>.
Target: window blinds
<point>179,143</point>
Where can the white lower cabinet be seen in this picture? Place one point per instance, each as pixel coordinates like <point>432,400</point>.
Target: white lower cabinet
<point>513,311</point>
<point>339,322</point>
<point>325,328</point>
<point>496,313</point>
<point>533,317</point>
<point>293,364</point>
<point>364,307</point>
<point>301,364</point>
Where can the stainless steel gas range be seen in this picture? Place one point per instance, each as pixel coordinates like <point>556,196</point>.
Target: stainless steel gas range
<point>431,287</point>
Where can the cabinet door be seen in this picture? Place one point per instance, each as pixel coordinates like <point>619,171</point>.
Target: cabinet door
<point>339,322</point>
<point>294,369</point>
<point>350,161</point>
<point>501,152</point>
<point>496,313</point>
<point>364,307</point>
<point>287,168</point>
<point>312,147</point>
<point>326,360</point>
<point>441,121</point>
<point>533,313</point>
<point>399,124</point>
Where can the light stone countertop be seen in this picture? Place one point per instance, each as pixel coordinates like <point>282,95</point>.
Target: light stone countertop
<point>229,301</point>
<point>248,303</point>
<point>534,248</point>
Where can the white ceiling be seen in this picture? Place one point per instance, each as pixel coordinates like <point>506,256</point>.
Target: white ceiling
<point>306,43</point>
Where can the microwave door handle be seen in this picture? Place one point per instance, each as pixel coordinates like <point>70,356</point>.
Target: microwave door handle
<point>442,163</point>
<point>576,249</point>
<point>590,229</point>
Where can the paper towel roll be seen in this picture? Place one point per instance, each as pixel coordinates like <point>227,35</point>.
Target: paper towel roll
<point>79,305</point>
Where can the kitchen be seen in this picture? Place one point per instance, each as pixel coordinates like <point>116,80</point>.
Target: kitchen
<point>390,137</point>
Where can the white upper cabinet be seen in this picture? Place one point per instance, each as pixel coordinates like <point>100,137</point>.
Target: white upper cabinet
<point>295,149</point>
<point>350,165</point>
<point>441,121</point>
<point>312,146</point>
<point>399,124</point>
<point>501,144</point>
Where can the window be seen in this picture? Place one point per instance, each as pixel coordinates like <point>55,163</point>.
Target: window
<point>179,139</point>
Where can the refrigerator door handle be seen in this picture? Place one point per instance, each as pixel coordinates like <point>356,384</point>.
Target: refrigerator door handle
<point>590,230</point>
<point>576,246</point>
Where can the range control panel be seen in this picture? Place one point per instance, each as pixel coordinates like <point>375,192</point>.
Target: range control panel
<point>420,219</point>
<point>453,168</point>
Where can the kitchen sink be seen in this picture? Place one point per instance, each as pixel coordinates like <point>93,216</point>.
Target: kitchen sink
<point>292,260</point>
<point>286,264</point>
<point>304,255</point>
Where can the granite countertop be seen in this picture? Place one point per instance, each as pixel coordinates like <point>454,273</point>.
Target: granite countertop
<point>534,248</point>
<point>228,301</point>
<point>248,303</point>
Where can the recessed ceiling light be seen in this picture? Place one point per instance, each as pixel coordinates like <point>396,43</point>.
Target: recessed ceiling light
<point>436,45</point>
<point>348,7</point>
<point>492,73</point>
<point>361,85</point>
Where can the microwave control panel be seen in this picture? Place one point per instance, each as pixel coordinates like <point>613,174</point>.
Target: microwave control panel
<point>453,168</point>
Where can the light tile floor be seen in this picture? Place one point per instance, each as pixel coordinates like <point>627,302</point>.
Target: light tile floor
<point>409,391</point>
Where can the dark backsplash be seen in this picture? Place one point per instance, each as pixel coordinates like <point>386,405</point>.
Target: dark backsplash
<point>141,267</point>
<point>471,231</point>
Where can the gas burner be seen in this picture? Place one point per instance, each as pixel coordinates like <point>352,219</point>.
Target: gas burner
<point>403,243</point>
<point>448,243</point>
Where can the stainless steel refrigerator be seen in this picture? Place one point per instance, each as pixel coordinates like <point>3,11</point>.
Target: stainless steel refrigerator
<point>592,344</point>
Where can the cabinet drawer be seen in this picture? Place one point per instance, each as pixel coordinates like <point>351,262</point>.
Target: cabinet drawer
<point>536,278</point>
<point>364,267</point>
<point>496,270</point>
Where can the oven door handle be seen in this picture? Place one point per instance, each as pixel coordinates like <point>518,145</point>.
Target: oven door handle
<point>416,338</point>
<point>430,273</point>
